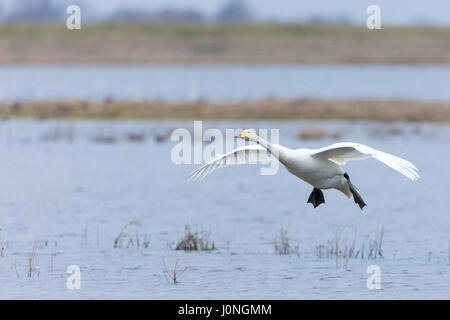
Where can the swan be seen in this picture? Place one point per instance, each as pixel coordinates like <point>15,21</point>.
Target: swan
<point>321,168</point>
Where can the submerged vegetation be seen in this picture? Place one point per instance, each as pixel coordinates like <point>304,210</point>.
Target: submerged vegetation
<point>33,261</point>
<point>343,249</point>
<point>130,236</point>
<point>340,249</point>
<point>195,241</point>
<point>173,275</point>
<point>282,243</point>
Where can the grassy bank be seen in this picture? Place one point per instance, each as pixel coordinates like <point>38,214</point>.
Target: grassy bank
<point>221,43</point>
<point>383,110</point>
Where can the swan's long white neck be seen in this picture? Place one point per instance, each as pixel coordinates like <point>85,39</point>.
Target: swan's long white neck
<point>275,149</point>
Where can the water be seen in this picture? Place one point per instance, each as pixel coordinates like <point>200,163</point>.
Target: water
<point>224,83</point>
<point>73,193</point>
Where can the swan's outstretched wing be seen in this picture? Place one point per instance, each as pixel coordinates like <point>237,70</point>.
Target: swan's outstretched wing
<point>246,154</point>
<point>342,152</point>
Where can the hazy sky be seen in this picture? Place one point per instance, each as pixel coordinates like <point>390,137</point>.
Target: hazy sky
<point>392,11</point>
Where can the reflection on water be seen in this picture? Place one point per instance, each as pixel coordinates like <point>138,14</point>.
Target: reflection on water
<point>220,83</point>
<point>74,193</point>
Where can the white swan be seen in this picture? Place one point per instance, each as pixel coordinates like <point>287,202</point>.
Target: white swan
<point>319,167</point>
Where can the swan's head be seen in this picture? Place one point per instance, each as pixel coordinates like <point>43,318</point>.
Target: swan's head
<point>249,135</point>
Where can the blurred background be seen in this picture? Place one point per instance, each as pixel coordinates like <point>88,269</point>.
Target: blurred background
<point>402,12</point>
<point>86,118</point>
<point>226,51</point>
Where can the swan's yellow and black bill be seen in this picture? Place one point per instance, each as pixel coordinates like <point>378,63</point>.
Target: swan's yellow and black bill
<point>243,134</point>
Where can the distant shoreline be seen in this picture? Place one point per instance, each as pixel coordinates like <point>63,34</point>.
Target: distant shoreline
<point>266,109</point>
<point>210,43</point>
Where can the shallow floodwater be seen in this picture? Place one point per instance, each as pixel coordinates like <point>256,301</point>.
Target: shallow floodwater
<point>225,82</point>
<point>72,187</point>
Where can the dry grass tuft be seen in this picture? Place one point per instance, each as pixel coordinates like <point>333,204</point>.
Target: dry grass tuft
<point>130,236</point>
<point>105,139</point>
<point>174,275</point>
<point>136,137</point>
<point>312,134</point>
<point>33,261</point>
<point>282,243</point>
<point>375,245</point>
<point>195,241</point>
<point>343,250</point>
<point>2,246</point>
<point>59,132</point>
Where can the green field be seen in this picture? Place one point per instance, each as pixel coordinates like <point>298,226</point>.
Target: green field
<point>222,43</point>
<point>29,30</point>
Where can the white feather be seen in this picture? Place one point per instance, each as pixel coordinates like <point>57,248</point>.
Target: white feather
<point>242,155</point>
<point>342,152</point>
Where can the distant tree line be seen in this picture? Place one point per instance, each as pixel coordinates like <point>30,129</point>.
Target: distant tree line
<point>34,10</point>
<point>49,10</point>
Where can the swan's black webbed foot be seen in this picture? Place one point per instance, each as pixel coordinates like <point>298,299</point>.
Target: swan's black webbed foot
<point>316,197</point>
<point>356,196</point>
